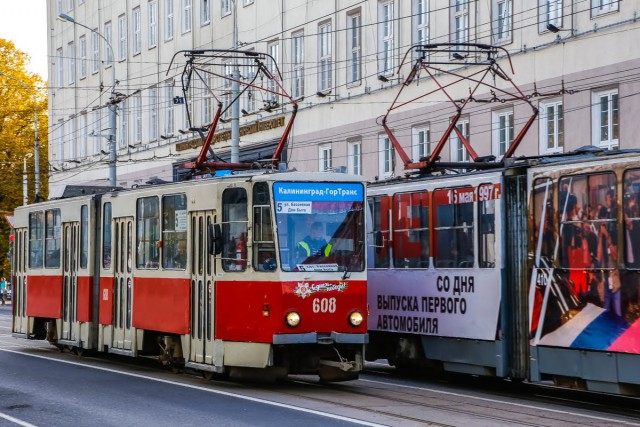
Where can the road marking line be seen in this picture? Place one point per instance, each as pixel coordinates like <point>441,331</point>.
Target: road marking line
<point>220,392</point>
<point>520,405</point>
<point>16,420</point>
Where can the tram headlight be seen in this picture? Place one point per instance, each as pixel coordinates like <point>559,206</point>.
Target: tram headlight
<point>292,318</point>
<point>355,318</point>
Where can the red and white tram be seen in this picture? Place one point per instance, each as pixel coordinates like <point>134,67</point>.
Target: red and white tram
<point>205,274</point>
<point>528,271</point>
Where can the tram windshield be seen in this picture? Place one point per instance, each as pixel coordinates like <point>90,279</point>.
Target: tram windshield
<point>320,226</point>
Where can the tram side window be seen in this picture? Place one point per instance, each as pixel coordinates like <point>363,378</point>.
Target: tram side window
<point>148,232</point>
<point>264,248</point>
<point>84,236</point>
<point>632,218</point>
<point>234,229</point>
<point>454,228</point>
<point>106,236</point>
<point>378,236</point>
<point>36,228</point>
<point>411,230</point>
<point>588,212</point>
<point>52,233</point>
<point>544,224</point>
<point>487,226</point>
<point>174,231</point>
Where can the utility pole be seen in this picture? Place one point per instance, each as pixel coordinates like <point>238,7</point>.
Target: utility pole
<point>235,89</point>
<point>25,198</point>
<point>111,137</point>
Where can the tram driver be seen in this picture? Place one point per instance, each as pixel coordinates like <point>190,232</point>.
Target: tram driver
<point>314,244</point>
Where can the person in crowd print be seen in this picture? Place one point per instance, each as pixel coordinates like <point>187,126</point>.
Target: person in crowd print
<point>632,231</point>
<point>607,258</point>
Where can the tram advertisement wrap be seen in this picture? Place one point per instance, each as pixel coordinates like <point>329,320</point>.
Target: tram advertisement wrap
<point>584,288</point>
<point>456,305</point>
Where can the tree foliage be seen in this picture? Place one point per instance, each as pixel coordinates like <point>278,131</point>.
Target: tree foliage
<point>21,93</point>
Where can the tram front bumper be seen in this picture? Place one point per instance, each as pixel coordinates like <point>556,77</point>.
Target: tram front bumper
<point>320,338</point>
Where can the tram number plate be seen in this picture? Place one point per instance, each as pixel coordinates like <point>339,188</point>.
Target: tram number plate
<point>324,305</point>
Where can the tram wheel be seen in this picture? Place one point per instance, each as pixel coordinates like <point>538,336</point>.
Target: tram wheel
<point>208,375</point>
<point>79,351</point>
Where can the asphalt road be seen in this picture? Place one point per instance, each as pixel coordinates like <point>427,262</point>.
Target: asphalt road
<point>43,388</point>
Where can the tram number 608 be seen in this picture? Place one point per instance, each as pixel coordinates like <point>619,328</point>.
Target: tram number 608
<point>324,305</point>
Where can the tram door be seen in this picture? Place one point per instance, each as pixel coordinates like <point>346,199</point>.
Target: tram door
<point>70,255</point>
<point>123,333</point>
<point>20,262</point>
<point>202,289</point>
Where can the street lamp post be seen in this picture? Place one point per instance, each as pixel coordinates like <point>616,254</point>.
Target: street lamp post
<point>112,100</point>
<point>24,179</point>
<point>235,90</point>
<point>36,148</point>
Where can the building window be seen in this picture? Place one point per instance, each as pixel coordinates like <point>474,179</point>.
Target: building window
<point>599,7</point>
<point>502,12</point>
<point>226,83</point>
<point>324,56</point>
<point>386,164</point>
<point>502,131</point>
<point>274,50</point>
<point>420,142</point>
<point>420,22</point>
<point>107,44</point>
<point>551,126</point>
<point>297,51</point>
<point>249,94</point>
<point>186,16</point>
<point>95,131</point>
<point>71,52</point>
<point>82,129</point>
<point>354,47</point>
<point>459,21</point>
<point>153,24</point>
<point>95,52</point>
<point>458,150</point>
<point>225,7</point>
<point>355,157</point>
<point>168,111</point>
<point>60,67</point>
<point>83,56</point>
<point>605,119</point>
<point>153,113</point>
<point>550,12</point>
<point>122,38</point>
<point>248,2</point>
<point>60,142</point>
<point>207,110</point>
<point>325,158</point>
<point>72,139</point>
<point>385,37</point>
<point>137,31</point>
<point>69,5</point>
<point>123,124</point>
<point>168,20</point>
<point>205,12</point>
<point>137,118</point>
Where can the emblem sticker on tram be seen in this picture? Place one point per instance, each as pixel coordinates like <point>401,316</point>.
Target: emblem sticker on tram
<point>305,289</point>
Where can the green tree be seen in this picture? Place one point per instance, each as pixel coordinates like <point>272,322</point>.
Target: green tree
<point>17,136</point>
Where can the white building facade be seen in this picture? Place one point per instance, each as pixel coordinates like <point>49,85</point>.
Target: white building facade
<point>581,71</point>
